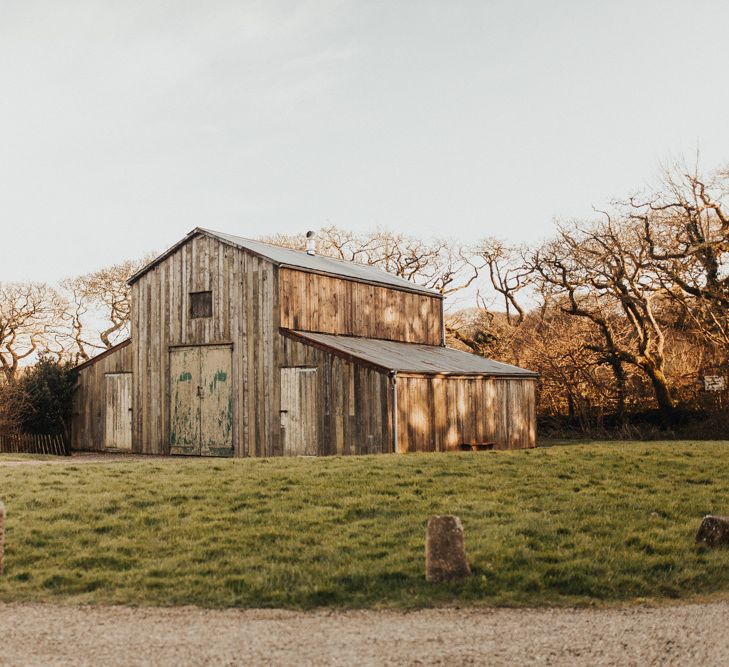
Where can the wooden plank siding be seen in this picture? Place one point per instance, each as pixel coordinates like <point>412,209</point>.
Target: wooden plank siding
<point>325,304</point>
<point>245,292</point>
<point>352,401</point>
<point>437,414</point>
<point>89,402</point>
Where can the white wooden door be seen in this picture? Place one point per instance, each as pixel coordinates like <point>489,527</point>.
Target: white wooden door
<point>299,409</point>
<point>118,418</point>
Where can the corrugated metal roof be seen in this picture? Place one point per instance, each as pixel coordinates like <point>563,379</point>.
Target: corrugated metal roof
<point>413,358</point>
<point>300,260</point>
<point>321,264</point>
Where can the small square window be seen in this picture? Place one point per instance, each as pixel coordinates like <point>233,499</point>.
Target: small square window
<point>201,304</point>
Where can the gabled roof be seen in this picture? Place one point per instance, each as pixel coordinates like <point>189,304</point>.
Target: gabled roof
<point>411,357</point>
<point>295,259</point>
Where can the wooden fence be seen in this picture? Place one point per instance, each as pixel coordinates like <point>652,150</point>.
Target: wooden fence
<point>29,443</point>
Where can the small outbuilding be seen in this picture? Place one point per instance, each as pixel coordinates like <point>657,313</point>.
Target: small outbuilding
<point>241,348</point>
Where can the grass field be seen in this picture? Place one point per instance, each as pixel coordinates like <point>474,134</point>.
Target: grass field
<point>578,524</point>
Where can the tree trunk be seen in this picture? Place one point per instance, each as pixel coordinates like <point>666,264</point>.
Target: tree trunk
<point>662,391</point>
<point>619,375</point>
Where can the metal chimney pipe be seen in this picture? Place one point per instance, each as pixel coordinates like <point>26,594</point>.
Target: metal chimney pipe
<point>310,243</point>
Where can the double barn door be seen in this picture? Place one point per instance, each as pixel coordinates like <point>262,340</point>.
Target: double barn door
<point>201,400</point>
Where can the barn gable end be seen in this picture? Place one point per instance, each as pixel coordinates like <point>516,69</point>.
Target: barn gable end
<point>244,316</point>
<point>93,406</point>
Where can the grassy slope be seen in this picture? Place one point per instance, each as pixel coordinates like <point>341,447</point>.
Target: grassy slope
<point>561,525</point>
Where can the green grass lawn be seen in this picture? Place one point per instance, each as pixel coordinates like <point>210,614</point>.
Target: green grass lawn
<point>578,524</point>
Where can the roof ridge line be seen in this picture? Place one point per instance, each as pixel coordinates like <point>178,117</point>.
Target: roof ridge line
<point>357,271</point>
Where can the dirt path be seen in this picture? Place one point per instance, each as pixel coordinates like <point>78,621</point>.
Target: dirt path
<point>52,635</point>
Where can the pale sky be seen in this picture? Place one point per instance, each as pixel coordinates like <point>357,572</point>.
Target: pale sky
<point>124,124</point>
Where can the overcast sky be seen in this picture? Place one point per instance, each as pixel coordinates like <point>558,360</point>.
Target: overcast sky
<point>123,125</point>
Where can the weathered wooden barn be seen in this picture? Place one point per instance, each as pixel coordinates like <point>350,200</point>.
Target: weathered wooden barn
<point>241,348</point>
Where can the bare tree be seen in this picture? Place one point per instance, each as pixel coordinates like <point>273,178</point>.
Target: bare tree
<point>447,266</point>
<point>603,272</point>
<point>481,331</point>
<point>99,308</point>
<point>510,274</point>
<point>487,330</point>
<point>685,224</point>
<point>30,319</point>
<point>574,380</point>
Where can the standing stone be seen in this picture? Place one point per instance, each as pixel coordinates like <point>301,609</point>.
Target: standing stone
<point>2,535</point>
<point>445,550</point>
<point>714,531</point>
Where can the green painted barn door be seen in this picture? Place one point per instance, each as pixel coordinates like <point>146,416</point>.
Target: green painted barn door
<point>216,397</point>
<point>184,400</point>
<point>201,401</point>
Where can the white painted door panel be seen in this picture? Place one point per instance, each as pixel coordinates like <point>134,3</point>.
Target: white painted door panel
<point>118,418</point>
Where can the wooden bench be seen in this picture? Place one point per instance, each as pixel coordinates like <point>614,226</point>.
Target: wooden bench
<point>477,447</point>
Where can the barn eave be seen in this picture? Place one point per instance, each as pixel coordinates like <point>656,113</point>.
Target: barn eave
<point>105,353</point>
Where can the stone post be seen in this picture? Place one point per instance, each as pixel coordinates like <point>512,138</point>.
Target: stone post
<point>445,550</point>
<point>714,531</point>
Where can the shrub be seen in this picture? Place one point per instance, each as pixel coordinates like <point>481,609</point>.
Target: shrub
<point>47,397</point>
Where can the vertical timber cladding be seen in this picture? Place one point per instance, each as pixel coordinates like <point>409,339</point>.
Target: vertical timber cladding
<point>88,420</point>
<point>440,413</point>
<point>313,302</point>
<point>201,400</point>
<point>352,401</point>
<point>244,314</point>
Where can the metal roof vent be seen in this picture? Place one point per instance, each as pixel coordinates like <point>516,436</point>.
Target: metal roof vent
<point>310,243</point>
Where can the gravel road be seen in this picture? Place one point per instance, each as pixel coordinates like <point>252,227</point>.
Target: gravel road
<point>55,635</point>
